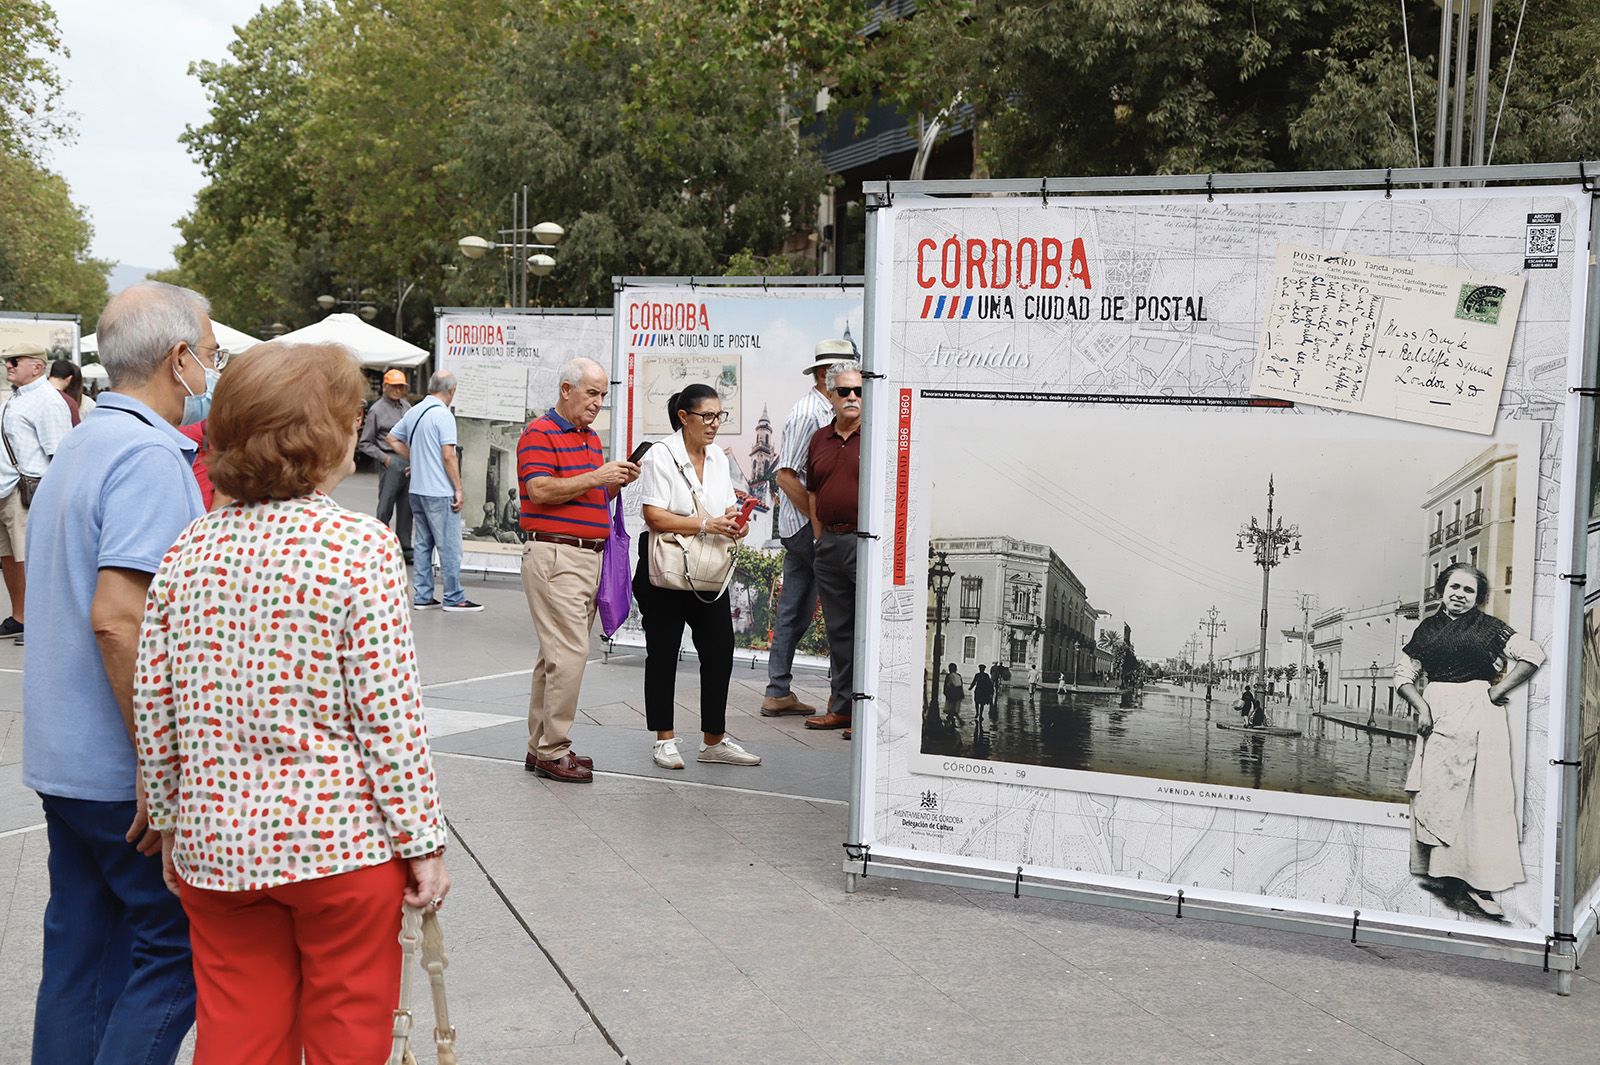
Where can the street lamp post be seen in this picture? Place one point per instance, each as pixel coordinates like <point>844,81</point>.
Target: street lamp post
<point>362,305</point>
<point>1271,542</point>
<point>939,576</point>
<point>1372,705</point>
<point>515,243</point>
<point>1211,625</point>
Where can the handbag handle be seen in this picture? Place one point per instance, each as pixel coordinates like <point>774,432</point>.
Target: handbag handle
<point>420,925</point>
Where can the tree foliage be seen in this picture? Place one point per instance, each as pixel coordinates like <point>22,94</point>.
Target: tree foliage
<point>30,91</point>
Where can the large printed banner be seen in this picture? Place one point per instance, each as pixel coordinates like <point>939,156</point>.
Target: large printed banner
<point>507,364</point>
<point>752,344</point>
<point>1140,626</point>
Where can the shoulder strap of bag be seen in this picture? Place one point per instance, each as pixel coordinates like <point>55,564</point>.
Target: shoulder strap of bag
<point>420,925</point>
<point>12,455</point>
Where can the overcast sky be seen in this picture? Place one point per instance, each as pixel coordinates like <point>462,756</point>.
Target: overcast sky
<point>128,82</point>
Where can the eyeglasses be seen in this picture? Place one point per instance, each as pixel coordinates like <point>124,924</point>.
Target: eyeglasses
<point>219,357</point>
<point>710,417</point>
<point>846,391</point>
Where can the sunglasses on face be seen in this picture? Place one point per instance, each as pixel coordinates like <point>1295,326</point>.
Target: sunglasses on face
<point>846,391</point>
<point>710,417</point>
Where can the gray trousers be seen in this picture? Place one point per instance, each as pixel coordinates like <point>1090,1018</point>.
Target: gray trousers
<point>796,605</point>
<point>836,586</point>
<point>394,498</point>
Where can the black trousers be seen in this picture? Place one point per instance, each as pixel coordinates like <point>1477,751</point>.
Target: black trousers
<point>664,612</point>
<point>836,586</point>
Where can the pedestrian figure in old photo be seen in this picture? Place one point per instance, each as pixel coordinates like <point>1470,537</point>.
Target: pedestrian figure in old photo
<point>1464,824</point>
<point>797,602</point>
<point>685,488</point>
<point>293,827</point>
<point>833,484</point>
<point>955,689</point>
<point>394,472</point>
<point>982,688</point>
<point>566,488</point>
<point>118,984</point>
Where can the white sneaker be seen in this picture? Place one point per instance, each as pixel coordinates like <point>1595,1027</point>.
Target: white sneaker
<point>666,754</point>
<point>728,753</point>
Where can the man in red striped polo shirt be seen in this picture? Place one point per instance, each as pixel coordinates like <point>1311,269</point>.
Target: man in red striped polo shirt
<point>566,485</point>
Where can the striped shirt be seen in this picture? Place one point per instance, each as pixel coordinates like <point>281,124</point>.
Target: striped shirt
<point>551,446</point>
<point>810,414</point>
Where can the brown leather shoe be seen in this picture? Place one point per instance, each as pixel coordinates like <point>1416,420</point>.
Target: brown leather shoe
<point>529,762</point>
<point>785,706</point>
<point>828,721</point>
<point>565,768</point>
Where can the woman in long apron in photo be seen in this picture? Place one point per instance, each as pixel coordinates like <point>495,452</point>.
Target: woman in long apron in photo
<point>1464,828</point>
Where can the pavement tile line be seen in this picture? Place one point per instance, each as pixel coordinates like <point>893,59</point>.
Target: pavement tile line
<point>22,831</point>
<point>505,900</point>
<point>671,783</point>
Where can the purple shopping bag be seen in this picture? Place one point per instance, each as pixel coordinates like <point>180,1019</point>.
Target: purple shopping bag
<point>615,597</point>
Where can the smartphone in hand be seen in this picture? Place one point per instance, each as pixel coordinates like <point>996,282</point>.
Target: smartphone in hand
<point>749,508</point>
<point>638,452</point>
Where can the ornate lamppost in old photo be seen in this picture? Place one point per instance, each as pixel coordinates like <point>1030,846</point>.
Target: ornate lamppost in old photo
<point>1272,542</point>
<point>939,577</point>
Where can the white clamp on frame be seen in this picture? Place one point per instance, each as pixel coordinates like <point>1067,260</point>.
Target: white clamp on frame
<point>421,925</point>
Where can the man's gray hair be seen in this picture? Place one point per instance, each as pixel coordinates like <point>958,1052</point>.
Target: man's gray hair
<point>576,370</point>
<point>141,324</point>
<point>441,382</point>
<point>835,369</point>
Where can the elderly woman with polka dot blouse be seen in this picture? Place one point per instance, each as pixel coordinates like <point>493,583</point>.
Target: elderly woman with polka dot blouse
<point>280,731</point>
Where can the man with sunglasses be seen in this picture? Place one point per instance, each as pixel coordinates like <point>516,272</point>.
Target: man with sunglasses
<point>833,480</point>
<point>798,600</point>
<point>34,421</point>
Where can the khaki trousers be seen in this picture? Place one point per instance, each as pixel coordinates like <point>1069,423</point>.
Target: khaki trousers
<point>560,582</point>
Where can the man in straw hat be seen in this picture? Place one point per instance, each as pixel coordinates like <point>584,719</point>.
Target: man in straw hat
<point>798,601</point>
<point>33,420</point>
<point>394,472</point>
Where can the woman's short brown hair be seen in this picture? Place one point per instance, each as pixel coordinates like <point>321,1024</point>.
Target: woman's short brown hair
<point>281,419</point>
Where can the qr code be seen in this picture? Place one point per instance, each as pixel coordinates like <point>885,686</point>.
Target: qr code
<point>1542,239</point>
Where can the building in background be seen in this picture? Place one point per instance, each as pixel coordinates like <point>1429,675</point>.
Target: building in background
<point>1471,515</point>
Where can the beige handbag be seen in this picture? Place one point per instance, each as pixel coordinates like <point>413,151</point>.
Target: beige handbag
<point>420,924</point>
<point>686,562</point>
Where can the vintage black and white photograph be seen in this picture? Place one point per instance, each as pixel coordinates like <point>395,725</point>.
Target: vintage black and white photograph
<point>1305,604</point>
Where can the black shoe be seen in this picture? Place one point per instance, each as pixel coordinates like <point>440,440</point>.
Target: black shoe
<point>10,627</point>
<point>434,605</point>
<point>466,606</point>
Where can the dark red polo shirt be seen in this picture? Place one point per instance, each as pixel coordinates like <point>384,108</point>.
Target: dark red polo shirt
<point>551,446</point>
<point>833,472</point>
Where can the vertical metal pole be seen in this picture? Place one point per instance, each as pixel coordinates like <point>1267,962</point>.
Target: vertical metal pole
<point>1480,91</point>
<point>1447,9</point>
<point>1460,105</point>
<point>1567,886</point>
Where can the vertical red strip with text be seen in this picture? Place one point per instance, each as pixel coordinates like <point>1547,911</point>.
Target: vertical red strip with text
<point>631,357</point>
<point>902,490</point>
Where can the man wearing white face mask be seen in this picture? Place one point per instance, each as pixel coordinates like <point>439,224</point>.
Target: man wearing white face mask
<point>116,497</point>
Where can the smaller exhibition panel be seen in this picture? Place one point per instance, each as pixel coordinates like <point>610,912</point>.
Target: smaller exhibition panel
<point>507,364</point>
<point>750,338</point>
<point>1227,545</point>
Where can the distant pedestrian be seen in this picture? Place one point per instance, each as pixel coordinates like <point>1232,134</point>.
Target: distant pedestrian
<point>118,985</point>
<point>982,689</point>
<point>394,472</point>
<point>425,438</point>
<point>685,488</point>
<point>566,487</point>
<point>32,424</point>
<point>797,602</point>
<point>833,479</point>
<point>955,689</point>
<point>67,378</point>
<point>293,868</point>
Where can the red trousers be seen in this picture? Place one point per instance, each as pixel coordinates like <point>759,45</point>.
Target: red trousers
<point>309,967</point>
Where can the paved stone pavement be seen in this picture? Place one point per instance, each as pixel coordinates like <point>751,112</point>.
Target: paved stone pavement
<point>700,917</point>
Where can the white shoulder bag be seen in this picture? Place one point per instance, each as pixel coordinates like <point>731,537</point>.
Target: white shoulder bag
<point>689,562</point>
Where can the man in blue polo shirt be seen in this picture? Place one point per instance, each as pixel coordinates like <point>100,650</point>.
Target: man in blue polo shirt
<point>118,984</point>
<point>427,437</point>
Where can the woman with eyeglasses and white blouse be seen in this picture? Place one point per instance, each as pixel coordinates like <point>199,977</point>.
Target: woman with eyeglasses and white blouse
<point>674,472</point>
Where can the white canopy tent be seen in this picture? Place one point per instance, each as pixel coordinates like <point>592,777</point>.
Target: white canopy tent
<point>375,348</point>
<point>230,338</point>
